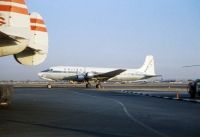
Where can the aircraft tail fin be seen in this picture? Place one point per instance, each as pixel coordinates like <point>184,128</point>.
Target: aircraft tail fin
<point>148,67</point>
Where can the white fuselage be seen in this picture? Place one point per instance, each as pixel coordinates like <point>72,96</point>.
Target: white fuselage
<point>69,73</point>
<point>100,74</point>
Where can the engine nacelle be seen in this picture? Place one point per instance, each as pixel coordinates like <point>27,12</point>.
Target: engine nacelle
<point>22,34</point>
<point>89,75</point>
<point>15,19</point>
<point>14,27</point>
<point>37,49</point>
<point>80,78</point>
<point>30,57</point>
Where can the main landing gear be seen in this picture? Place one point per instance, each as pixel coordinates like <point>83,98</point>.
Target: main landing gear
<point>98,85</point>
<point>89,85</point>
<point>49,85</point>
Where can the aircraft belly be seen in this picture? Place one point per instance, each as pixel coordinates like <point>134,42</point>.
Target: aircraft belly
<point>69,76</point>
<point>55,76</point>
<point>124,78</point>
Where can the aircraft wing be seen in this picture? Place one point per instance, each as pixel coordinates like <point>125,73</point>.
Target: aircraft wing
<point>108,75</point>
<point>5,38</point>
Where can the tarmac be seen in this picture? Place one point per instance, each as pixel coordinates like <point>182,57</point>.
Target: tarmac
<point>72,112</point>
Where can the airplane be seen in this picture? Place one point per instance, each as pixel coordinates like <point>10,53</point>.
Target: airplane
<point>98,75</point>
<point>22,34</point>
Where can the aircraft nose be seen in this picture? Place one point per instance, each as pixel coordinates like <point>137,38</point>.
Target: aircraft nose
<point>40,74</point>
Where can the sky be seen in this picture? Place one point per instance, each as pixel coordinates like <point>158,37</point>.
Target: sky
<point>117,33</point>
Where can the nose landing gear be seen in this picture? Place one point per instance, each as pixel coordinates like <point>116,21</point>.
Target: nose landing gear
<point>88,85</point>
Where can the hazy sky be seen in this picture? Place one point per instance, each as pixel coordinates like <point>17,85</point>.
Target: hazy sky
<point>117,33</point>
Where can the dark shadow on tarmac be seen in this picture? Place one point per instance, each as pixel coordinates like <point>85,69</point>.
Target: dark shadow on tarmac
<point>68,129</point>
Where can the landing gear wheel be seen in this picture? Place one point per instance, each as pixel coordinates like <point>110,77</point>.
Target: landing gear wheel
<point>88,85</point>
<point>98,86</point>
<point>49,86</point>
<point>5,95</point>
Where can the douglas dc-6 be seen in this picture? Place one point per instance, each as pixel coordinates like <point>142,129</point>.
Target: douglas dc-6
<point>89,74</point>
<point>22,34</point>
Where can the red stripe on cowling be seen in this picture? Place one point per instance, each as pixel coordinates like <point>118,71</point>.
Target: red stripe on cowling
<point>15,9</point>
<point>37,28</point>
<point>39,21</point>
<point>16,1</point>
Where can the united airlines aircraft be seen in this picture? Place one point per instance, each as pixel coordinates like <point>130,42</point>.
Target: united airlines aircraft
<point>98,75</point>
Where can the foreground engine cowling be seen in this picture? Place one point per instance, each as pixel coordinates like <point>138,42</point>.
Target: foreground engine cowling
<point>14,27</point>
<point>37,49</point>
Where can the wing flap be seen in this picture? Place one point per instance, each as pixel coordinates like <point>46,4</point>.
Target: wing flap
<point>108,75</point>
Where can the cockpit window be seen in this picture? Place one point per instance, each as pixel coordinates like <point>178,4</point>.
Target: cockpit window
<point>47,70</point>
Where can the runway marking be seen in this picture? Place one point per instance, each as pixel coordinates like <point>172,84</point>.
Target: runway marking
<point>128,114</point>
<point>137,121</point>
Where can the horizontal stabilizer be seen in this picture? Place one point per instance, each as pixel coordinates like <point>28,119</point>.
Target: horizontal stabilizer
<point>151,76</point>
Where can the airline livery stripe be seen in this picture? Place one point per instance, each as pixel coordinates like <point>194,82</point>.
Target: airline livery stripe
<point>16,1</point>
<point>38,25</point>
<point>39,21</point>
<point>13,4</point>
<point>2,22</point>
<point>36,28</point>
<point>13,9</point>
